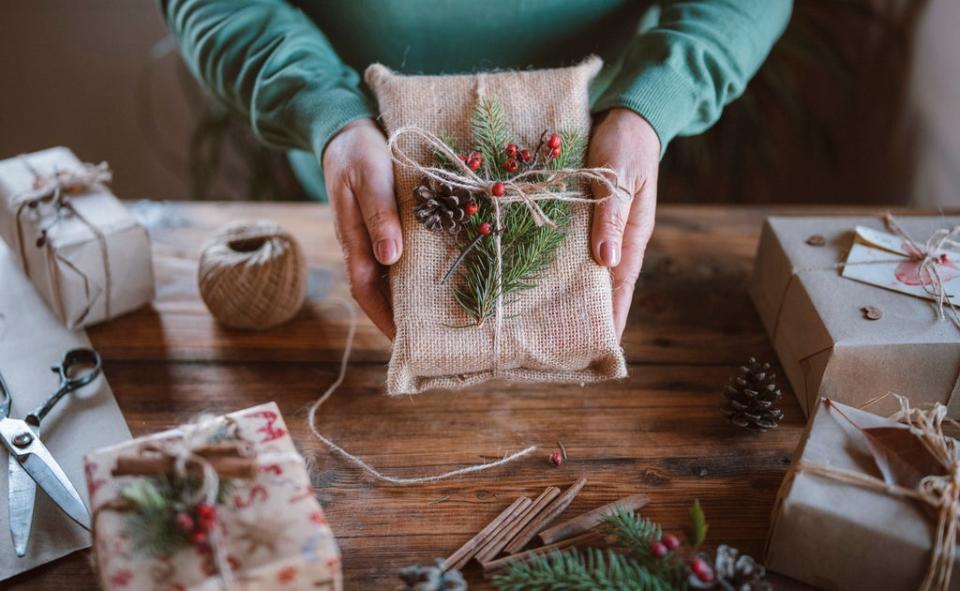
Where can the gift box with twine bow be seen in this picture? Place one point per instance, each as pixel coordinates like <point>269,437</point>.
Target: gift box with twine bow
<point>870,502</point>
<point>851,306</point>
<point>81,249</point>
<point>221,502</point>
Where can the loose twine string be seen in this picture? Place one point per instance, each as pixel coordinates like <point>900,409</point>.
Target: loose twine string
<point>314,408</point>
<point>54,188</point>
<point>528,187</point>
<point>941,492</point>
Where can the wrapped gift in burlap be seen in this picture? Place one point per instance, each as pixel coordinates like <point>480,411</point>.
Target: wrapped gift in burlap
<point>559,331</point>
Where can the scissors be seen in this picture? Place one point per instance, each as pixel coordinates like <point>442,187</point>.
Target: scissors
<point>31,463</point>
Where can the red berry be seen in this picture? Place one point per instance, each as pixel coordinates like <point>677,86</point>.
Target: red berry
<point>184,522</point>
<point>525,155</point>
<point>206,516</point>
<point>671,541</point>
<point>555,152</point>
<point>485,229</point>
<point>658,550</point>
<point>474,164</point>
<point>511,165</point>
<point>462,157</point>
<point>471,208</point>
<point>556,458</point>
<point>701,570</point>
<point>198,537</point>
<point>498,189</point>
<point>554,142</point>
<point>511,150</point>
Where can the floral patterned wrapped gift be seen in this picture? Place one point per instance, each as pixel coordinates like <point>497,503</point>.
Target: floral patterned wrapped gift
<point>221,500</point>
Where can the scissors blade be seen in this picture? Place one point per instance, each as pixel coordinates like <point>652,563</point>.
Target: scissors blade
<point>22,495</point>
<point>49,476</point>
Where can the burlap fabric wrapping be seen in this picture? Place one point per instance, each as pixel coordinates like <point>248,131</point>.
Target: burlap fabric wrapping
<point>559,331</point>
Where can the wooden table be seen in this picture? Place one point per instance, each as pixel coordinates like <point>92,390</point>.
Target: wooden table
<point>657,432</point>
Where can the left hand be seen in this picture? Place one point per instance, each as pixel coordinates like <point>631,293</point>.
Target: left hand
<point>625,142</point>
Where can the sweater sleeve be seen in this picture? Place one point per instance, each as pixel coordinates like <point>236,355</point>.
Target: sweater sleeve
<point>268,62</point>
<point>697,58</point>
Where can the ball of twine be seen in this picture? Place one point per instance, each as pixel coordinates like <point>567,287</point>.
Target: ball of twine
<point>252,275</point>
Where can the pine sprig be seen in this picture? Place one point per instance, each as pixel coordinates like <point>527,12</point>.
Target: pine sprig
<point>635,535</point>
<point>527,250</point>
<point>490,136</point>
<point>570,570</point>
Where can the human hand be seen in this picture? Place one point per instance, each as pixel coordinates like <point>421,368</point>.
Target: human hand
<point>359,179</point>
<point>625,142</point>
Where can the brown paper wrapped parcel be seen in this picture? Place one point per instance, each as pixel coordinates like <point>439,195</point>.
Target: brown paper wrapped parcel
<point>89,259</point>
<point>815,318</point>
<point>559,331</point>
<point>841,536</point>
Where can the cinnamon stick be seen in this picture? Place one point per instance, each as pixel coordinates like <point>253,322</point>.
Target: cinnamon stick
<point>463,554</point>
<point>586,538</point>
<point>542,520</point>
<point>509,530</point>
<point>226,467</point>
<point>591,519</point>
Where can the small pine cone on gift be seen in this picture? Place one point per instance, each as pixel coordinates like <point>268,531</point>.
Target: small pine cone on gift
<point>733,571</point>
<point>442,207</point>
<point>749,398</point>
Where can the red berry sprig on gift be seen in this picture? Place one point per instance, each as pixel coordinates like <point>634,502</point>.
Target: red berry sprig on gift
<point>196,525</point>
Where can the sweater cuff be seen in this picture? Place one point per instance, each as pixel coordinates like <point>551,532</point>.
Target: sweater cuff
<point>320,115</point>
<point>658,94</point>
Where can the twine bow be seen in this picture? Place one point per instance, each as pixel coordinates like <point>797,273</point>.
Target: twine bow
<point>928,259</point>
<point>940,492</point>
<point>528,187</point>
<point>183,451</point>
<point>54,189</point>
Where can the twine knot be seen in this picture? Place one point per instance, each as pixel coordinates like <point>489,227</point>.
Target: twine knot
<point>929,256</point>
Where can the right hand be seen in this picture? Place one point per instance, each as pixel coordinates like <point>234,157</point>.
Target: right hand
<point>359,179</point>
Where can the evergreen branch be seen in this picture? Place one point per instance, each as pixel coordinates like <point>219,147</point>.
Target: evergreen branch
<point>569,570</point>
<point>490,136</point>
<point>527,250</point>
<point>635,535</point>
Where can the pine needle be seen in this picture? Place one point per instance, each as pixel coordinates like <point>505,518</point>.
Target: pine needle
<point>569,570</point>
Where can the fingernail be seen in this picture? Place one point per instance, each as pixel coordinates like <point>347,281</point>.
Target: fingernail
<point>386,251</point>
<point>610,253</point>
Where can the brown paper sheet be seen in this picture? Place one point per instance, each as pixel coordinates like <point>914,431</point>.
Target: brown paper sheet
<point>840,536</point>
<point>825,345</point>
<point>31,340</point>
<point>69,271</point>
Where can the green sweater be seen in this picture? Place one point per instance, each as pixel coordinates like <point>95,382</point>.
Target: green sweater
<point>292,68</point>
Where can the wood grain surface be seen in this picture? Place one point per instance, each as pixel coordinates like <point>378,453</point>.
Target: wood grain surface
<point>657,432</point>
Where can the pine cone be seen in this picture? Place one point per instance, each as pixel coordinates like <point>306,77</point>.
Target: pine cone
<point>739,572</point>
<point>750,397</point>
<point>440,206</point>
<point>733,571</point>
<point>432,578</point>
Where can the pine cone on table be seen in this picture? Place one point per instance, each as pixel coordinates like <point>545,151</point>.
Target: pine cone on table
<point>442,207</point>
<point>733,571</point>
<point>750,397</point>
<point>432,578</point>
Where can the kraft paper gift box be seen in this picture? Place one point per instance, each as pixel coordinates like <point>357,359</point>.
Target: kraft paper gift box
<point>816,320</point>
<point>842,536</point>
<point>274,534</point>
<point>88,258</point>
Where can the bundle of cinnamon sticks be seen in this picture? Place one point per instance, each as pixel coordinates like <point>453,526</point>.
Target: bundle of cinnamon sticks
<point>517,525</point>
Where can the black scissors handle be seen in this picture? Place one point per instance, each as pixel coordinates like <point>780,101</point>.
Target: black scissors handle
<point>78,368</point>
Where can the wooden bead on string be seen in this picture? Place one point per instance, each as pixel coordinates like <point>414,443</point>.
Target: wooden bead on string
<point>252,275</point>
